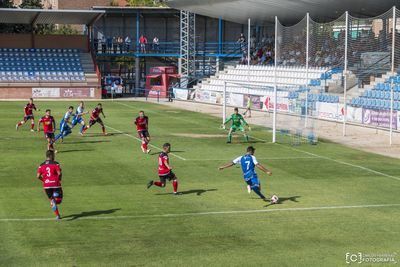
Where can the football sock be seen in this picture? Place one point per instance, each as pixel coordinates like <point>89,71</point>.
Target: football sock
<point>256,190</point>
<point>159,184</point>
<point>20,123</point>
<point>145,146</point>
<point>103,129</point>
<point>67,133</point>
<point>175,185</point>
<point>246,137</point>
<point>229,138</point>
<point>58,136</point>
<point>54,208</point>
<point>32,125</point>
<point>83,128</point>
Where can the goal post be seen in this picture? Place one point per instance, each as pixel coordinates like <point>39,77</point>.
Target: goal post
<point>282,109</point>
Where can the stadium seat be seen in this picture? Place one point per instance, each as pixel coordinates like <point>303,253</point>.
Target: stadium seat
<point>50,64</point>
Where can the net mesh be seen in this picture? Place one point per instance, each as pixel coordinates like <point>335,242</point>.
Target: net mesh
<point>369,48</point>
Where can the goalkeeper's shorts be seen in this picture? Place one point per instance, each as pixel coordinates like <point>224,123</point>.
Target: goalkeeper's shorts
<point>237,128</point>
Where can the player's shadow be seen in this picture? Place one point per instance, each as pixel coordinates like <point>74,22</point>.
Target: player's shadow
<point>74,150</point>
<point>73,217</point>
<point>198,192</point>
<point>100,134</point>
<point>87,142</point>
<point>174,151</point>
<point>285,199</point>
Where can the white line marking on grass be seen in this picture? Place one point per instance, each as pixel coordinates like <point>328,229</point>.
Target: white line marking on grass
<point>277,158</point>
<point>138,139</point>
<point>229,212</point>
<point>194,122</point>
<point>344,163</point>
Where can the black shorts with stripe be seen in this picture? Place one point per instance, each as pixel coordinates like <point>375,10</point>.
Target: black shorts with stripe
<point>94,121</point>
<point>54,192</point>
<point>170,176</point>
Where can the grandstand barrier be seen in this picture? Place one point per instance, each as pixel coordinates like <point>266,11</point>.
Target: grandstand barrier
<point>50,92</point>
<point>323,108</point>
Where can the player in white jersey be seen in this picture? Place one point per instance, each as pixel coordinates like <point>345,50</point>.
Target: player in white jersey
<point>78,118</point>
<point>248,162</point>
<point>65,128</point>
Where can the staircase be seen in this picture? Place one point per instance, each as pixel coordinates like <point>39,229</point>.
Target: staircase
<point>89,69</point>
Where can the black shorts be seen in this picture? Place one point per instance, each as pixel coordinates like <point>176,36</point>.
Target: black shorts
<point>170,176</point>
<point>28,117</point>
<point>49,135</point>
<point>54,192</point>
<point>144,134</point>
<point>93,122</point>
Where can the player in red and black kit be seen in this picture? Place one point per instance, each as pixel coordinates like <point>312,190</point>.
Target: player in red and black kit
<point>142,127</point>
<point>28,115</point>
<point>95,117</point>
<point>49,127</point>
<point>49,172</point>
<point>165,171</point>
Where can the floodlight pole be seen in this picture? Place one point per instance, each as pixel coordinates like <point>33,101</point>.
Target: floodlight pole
<point>275,85</point>
<point>393,37</point>
<point>307,59</point>
<point>391,111</point>
<point>345,73</point>
<point>224,104</point>
<point>392,83</point>
<point>248,48</point>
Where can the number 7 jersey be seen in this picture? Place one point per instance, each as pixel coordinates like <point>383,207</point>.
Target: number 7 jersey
<point>248,164</point>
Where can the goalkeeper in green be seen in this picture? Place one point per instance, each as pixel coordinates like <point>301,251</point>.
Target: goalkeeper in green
<point>238,123</point>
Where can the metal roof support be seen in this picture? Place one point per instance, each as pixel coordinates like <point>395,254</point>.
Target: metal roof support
<point>187,66</point>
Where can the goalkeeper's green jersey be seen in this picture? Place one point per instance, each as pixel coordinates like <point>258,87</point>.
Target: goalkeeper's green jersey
<point>237,120</point>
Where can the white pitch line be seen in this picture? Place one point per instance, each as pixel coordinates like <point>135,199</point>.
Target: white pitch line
<point>277,158</point>
<point>138,139</point>
<point>345,163</point>
<point>231,212</point>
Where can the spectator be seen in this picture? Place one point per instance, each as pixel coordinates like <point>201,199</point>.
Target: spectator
<point>103,44</point>
<point>242,42</point>
<point>115,44</point>
<point>120,42</point>
<point>96,45</point>
<point>128,42</point>
<point>156,43</point>
<point>109,44</point>
<point>143,43</point>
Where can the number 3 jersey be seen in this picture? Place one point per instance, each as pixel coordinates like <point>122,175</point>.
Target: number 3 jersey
<point>248,164</point>
<point>49,171</point>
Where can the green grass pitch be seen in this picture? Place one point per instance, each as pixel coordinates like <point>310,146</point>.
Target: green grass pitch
<point>328,208</point>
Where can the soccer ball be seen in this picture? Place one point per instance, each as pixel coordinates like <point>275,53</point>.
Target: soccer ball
<point>274,199</point>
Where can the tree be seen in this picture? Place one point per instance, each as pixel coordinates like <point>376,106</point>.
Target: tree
<point>6,4</point>
<point>31,4</point>
<point>146,3</point>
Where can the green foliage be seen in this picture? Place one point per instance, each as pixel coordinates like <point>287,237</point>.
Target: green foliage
<point>31,4</point>
<point>6,4</point>
<point>65,30</point>
<point>114,3</point>
<point>145,3</point>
